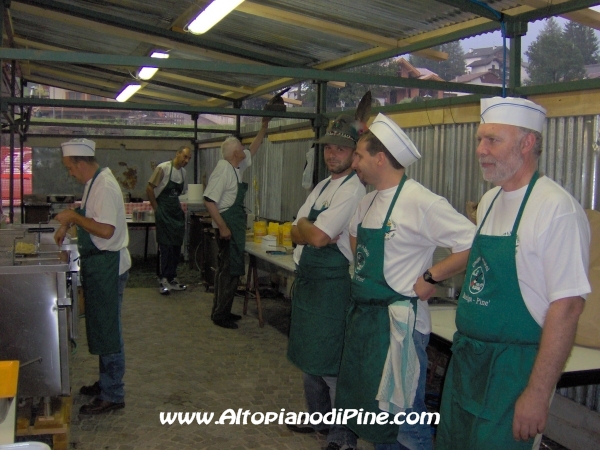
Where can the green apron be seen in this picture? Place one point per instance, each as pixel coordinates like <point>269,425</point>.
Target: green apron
<point>170,219</point>
<point>494,348</point>
<point>320,302</point>
<point>100,280</point>
<point>235,218</point>
<point>368,331</point>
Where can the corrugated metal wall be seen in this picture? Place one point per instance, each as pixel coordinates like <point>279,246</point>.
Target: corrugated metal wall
<point>448,165</point>
<point>275,177</point>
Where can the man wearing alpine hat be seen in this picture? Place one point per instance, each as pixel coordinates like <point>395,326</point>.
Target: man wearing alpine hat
<point>394,234</point>
<point>102,240</point>
<point>322,288</point>
<point>524,290</point>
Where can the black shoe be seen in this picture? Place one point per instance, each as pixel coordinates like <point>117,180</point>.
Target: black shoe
<point>92,390</point>
<point>234,317</point>
<point>100,407</point>
<point>335,446</point>
<point>226,324</point>
<point>303,430</point>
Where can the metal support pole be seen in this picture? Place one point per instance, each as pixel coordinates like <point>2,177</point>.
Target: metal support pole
<point>320,172</point>
<point>11,190</point>
<point>238,119</point>
<point>514,31</point>
<point>2,14</point>
<point>21,141</point>
<point>514,67</point>
<point>196,152</point>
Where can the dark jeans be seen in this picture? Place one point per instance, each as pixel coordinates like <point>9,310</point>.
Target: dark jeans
<point>112,366</point>
<point>169,258</point>
<point>225,283</point>
<point>320,396</point>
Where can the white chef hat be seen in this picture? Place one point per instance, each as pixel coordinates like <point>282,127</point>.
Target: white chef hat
<point>395,140</point>
<point>78,147</point>
<point>513,111</point>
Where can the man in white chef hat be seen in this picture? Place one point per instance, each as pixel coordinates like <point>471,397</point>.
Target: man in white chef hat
<point>102,240</point>
<point>393,234</point>
<point>524,290</point>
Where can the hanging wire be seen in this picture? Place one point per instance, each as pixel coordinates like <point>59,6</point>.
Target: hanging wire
<point>503,26</point>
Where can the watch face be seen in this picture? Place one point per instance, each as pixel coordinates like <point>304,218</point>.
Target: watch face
<point>427,277</point>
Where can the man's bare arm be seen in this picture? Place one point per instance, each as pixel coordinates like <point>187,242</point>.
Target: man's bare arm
<point>258,139</point>
<point>69,217</point>
<point>453,264</point>
<point>151,196</point>
<point>224,231</point>
<point>558,336</point>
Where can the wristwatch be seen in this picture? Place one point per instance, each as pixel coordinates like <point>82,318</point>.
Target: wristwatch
<point>429,278</point>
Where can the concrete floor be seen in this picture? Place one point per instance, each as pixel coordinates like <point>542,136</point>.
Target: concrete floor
<point>177,360</point>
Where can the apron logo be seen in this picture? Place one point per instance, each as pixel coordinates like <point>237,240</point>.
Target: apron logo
<point>477,281</point>
<point>361,257</point>
<point>391,227</point>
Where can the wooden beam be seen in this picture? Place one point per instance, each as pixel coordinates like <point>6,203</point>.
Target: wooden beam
<point>587,17</point>
<point>64,75</point>
<point>328,27</point>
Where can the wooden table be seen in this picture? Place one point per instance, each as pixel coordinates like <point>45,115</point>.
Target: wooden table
<point>582,368</point>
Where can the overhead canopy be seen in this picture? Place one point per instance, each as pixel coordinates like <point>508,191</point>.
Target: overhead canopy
<point>260,47</point>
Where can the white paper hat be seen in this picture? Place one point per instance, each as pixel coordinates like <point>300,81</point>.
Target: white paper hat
<point>513,111</point>
<point>78,147</point>
<point>395,140</point>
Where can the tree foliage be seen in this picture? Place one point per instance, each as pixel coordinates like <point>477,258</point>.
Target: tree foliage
<point>449,69</point>
<point>585,40</point>
<point>553,57</point>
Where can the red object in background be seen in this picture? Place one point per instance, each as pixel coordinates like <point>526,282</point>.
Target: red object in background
<point>5,174</point>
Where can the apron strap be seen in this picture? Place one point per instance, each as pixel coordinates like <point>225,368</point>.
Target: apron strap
<point>235,172</point>
<point>389,212</point>
<point>400,186</point>
<point>90,189</point>
<point>534,178</point>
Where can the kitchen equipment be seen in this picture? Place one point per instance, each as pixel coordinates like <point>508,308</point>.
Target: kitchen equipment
<point>38,311</point>
<point>59,202</point>
<point>37,212</point>
<point>60,198</point>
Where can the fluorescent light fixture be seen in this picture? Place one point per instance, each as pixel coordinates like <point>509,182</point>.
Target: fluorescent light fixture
<point>128,92</point>
<point>212,15</point>
<point>146,73</point>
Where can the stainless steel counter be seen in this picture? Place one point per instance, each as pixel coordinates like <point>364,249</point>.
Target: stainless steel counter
<point>37,299</point>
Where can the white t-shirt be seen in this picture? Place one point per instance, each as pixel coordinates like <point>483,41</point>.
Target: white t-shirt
<point>160,181</point>
<point>222,184</point>
<point>342,200</point>
<point>421,221</point>
<point>105,205</point>
<point>553,242</point>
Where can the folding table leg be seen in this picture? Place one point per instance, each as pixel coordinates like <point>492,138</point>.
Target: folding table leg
<point>261,323</point>
<point>248,283</point>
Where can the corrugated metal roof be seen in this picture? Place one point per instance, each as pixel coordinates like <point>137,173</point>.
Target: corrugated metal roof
<point>293,33</point>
